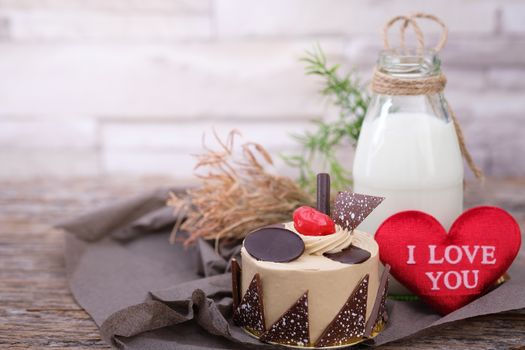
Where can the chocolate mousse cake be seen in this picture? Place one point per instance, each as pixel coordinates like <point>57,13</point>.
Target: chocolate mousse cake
<point>316,281</point>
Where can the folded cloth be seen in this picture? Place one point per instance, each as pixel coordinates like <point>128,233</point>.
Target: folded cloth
<point>144,293</point>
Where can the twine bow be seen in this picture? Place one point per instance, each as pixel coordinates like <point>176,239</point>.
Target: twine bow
<point>386,84</point>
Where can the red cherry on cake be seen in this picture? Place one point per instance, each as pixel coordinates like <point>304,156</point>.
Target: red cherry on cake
<point>311,222</point>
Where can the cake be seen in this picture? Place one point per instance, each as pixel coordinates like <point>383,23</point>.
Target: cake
<point>315,281</point>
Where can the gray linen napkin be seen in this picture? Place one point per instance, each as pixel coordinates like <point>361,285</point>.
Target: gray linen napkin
<point>146,294</point>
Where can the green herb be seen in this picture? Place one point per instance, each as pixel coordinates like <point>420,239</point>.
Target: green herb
<point>345,92</point>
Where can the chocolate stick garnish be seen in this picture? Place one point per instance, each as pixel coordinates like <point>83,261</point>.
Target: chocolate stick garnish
<point>323,193</point>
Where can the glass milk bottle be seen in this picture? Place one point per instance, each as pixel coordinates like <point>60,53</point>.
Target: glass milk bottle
<point>408,150</point>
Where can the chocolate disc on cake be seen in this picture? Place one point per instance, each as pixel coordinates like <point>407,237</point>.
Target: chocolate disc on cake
<point>274,244</point>
<point>350,255</point>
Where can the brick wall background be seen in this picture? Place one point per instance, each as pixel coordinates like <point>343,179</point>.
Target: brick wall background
<point>112,87</point>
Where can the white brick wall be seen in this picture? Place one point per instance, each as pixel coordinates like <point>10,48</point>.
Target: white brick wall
<point>254,18</point>
<point>97,87</point>
<point>513,17</point>
<point>234,79</point>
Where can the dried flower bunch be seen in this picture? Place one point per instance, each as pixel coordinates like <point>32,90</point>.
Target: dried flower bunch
<point>237,194</point>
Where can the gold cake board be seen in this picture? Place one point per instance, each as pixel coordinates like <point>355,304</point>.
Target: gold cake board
<point>377,329</point>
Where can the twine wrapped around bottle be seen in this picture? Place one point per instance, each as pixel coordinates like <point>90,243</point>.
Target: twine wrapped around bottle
<point>390,85</point>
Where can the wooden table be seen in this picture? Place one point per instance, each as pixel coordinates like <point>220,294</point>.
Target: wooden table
<point>37,310</point>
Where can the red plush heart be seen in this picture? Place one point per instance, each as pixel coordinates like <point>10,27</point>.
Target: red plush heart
<point>449,270</point>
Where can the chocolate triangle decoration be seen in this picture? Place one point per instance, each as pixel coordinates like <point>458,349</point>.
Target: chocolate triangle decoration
<point>292,328</point>
<point>236,285</point>
<point>352,208</point>
<point>383,314</point>
<point>379,312</point>
<point>250,312</point>
<point>349,324</point>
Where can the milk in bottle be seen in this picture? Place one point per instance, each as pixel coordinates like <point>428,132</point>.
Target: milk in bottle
<point>408,151</point>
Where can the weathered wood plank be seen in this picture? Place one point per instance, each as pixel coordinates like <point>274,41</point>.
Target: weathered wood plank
<point>37,309</point>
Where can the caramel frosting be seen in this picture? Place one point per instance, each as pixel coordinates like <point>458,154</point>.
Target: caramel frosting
<point>318,245</point>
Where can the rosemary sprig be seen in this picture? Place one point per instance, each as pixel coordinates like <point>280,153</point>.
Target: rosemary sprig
<point>347,94</point>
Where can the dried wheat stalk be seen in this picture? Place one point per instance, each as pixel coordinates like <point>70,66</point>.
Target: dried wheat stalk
<point>236,196</point>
